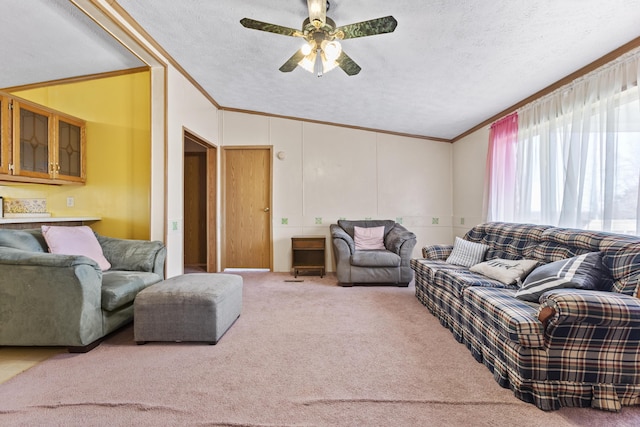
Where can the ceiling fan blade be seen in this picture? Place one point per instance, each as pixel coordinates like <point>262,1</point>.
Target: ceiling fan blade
<point>292,62</point>
<point>270,28</point>
<point>348,65</point>
<point>368,28</point>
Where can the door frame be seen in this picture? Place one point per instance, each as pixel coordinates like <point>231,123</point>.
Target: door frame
<point>211,191</point>
<point>223,210</point>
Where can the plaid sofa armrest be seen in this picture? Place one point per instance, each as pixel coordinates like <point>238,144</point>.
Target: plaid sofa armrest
<point>592,307</point>
<point>437,252</point>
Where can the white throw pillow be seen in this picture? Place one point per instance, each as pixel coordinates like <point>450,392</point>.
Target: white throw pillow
<point>75,241</point>
<point>466,253</point>
<point>368,238</point>
<point>507,271</point>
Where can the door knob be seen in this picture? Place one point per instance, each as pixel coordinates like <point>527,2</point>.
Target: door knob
<point>266,209</point>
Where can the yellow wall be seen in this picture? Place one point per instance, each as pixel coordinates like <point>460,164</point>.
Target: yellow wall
<point>117,112</point>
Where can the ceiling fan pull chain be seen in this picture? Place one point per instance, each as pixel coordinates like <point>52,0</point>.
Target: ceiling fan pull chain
<point>318,64</point>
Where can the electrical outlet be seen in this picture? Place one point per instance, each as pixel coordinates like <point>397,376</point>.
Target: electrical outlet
<point>462,221</point>
<point>435,220</point>
<point>70,202</point>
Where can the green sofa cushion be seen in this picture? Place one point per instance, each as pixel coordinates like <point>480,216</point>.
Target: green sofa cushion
<point>132,255</point>
<point>121,287</point>
<point>26,240</point>
<point>375,259</point>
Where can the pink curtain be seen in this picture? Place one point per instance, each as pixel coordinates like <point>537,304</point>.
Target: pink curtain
<point>500,174</point>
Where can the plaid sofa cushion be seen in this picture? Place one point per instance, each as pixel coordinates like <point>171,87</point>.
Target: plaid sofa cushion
<point>456,281</point>
<point>553,251</point>
<point>622,257</point>
<point>427,267</point>
<point>514,319</point>
<point>507,240</point>
<point>561,243</point>
<point>574,238</point>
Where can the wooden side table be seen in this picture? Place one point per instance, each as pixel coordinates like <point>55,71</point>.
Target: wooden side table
<point>308,254</point>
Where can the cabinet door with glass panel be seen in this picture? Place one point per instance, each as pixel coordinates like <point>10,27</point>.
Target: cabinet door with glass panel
<point>47,145</point>
<point>5,135</point>
<point>69,161</point>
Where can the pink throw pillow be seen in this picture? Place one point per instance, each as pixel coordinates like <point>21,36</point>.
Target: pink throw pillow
<point>75,241</point>
<point>369,238</point>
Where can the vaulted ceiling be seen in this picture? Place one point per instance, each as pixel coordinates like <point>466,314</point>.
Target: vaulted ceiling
<point>446,68</point>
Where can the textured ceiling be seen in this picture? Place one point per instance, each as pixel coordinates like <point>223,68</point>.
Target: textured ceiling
<point>447,67</point>
<point>44,40</point>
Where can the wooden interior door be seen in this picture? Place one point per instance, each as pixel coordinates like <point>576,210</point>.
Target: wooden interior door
<point>195,210</point>
<point>247,198</point>
<point>200,206</point>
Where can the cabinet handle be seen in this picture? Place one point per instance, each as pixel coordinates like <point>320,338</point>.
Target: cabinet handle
<point>54,168</point>
<point>266,209</point>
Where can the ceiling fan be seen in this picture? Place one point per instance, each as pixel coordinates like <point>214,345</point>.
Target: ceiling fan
<point>322,51</point>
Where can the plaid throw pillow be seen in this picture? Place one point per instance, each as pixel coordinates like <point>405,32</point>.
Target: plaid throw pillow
<point>467,253</point>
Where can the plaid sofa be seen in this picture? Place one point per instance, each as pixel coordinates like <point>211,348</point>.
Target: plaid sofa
<point>585,352</point>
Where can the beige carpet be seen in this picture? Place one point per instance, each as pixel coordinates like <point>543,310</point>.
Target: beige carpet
<point>302,354</point>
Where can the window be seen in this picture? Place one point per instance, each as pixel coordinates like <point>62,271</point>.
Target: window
<point>577,156</point>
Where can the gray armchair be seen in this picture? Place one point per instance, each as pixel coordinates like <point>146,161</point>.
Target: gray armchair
<point>389,266</point>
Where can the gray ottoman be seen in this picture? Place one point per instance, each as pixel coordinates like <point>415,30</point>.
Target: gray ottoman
<point>191,307</point>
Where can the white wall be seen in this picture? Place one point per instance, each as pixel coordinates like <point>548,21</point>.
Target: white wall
<point>332,172</point>
<point>187,109</point>
<point>469,162</point>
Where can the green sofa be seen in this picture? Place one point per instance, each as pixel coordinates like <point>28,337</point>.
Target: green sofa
<point>50,299</point>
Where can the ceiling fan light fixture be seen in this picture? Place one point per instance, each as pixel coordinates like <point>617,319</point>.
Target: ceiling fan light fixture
<point>317,63</point>
<point>317,12</point>
<point>306,49</point>
<point>308,62</point>
<point>322,51</point>
<point>332,50</point>
<point>328,66</point>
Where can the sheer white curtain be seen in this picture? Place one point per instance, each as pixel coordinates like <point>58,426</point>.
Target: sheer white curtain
<point>578,153</point>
